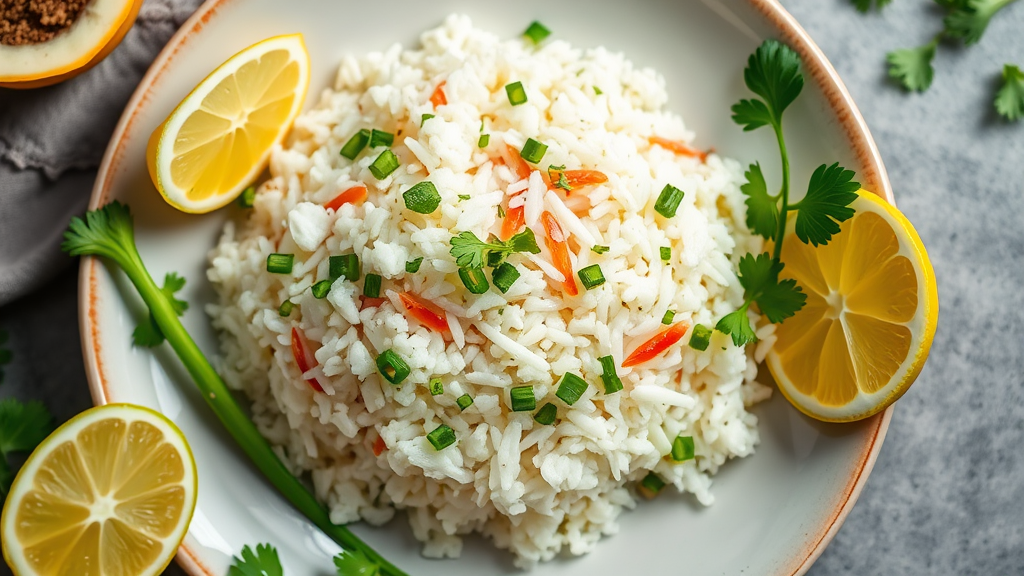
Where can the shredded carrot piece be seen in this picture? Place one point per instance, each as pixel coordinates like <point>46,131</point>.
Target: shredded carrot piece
<point>576,178</point>
<point>514,220</point>
<point>657,344</point>
<point>379,446</point>
<point>518,165</point>
<point>353,195</point>
<point>438,98</point>
<point>678,148</point>
<point>303,358</point>
<point>558,244</point>
<point>424,314</point>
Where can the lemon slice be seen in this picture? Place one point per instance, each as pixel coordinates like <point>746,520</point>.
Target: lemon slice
<point>219,137</point>
<point>872,307</point>
<point>109,493</point>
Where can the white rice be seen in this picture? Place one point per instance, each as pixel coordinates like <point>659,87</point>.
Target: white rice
<point>534,489</point>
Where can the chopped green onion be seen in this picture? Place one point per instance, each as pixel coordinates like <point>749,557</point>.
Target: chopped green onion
<point>501,212</point>
<point>422,198</point>
<point>571,388</point>
<point>546,414</point>
<point>464,401</point>
<point>286,308</point>
<point>384,165</point>
<point>537,32</point>
<point>612,384</point>
<point>700,338</point>
<point>666,253</point>
<point>247,197</point>
<point>355,144</point>
<point>599,249</point>
<point>346,265</point>
<point>667,318</point>
<point>533,151</point>
<point>516,93</point>
<point>321,289</point>
<point>413,266</point>
<point>591,276</point>
<point>441,437</point>
<point>381,138</point>
<point>652,484</point>
<point>280,263</point>
<point>522,398</point>
<point>392,367</point>
<point>474,280</point>
<point>436,387</point>
<point>597,91</point>
<point>504,277</point>
<point>464,197</point>
<point>484,140</point>
<point>668,201</point>
<point>424,118</point>
<point>682,448</point>
<point>371,287</point>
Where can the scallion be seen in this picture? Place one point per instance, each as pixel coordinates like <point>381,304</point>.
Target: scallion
<point>609,377</point>
<point>392,367</point>
<point>441,437</point>
<point>536,32</point>
<point>321,289</point>
<point>668,201</point>
<point>381,138</point>
<point>285,309</point>
<point>247,198</point>
<point>464,401</point>
<point>516,93</point>
<point>280,263</point>
<point>355,144</point>
<point>424,118</point>
<point>436,387</point>
<point>700,338</point>
<point>522,399</point>
<point>591,276</point>
<point>346,265</point>
<point>474,280</point>
<point>484,140</point>
<point>371,286</point>
<point>464,197</point>
<point>422,198</point>
<point>413,266</point>
<point>571,388</point>
<point>682,448</point>
<point>384,165</point>
<point>651,484</point>
<point>668,317</point>
<point>546,414</point>
<point>533,151</point>
<point>597,91</point>
<point>504,276</point>
<point>666,253</point>
<point>599,249</point>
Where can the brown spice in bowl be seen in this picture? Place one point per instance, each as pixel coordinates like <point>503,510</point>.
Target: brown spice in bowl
<point>34,21</point>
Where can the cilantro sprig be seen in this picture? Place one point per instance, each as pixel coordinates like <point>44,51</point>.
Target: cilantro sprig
<point>22,427</point>
<point>147,334</point>
<point>865,5</point>
<point>1009,101</point>
<point>472,252</point>
<point>773,73</point>
<point>264,561</point>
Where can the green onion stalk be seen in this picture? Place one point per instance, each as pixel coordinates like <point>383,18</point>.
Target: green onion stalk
<point>108,233</point>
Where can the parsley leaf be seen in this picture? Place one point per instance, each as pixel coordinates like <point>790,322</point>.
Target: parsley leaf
<point>147,334</point>
<point>773,73</point>
<point>472,252</point>
<point>781,300</point>
<point>1010,98</point>
<point>22,428</point>
<point>913,66</point>
<point>737,325</point>
<point>263,562</point>
<point>827,203</point>
<point>525,241</point>
<point>762,209</point>
<point>758,272</point>
<point>355,563</point>
<point>777,300</point>
<point>751,114</point>
<point>865,5</point>
<point>969,18</point>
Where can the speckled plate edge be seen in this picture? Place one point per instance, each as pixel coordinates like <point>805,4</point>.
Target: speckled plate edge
<point>871,169</point>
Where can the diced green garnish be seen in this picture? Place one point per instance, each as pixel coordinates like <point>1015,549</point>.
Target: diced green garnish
<point>668,201</point>
<point>280,263</point>
<point>346,265</point>
<point>516,93</point>
<point>700,338</point>
<point>381,138</point>
<point>464,401</point>
<point>504,276</point>
<point>441,437</point>
<point>533,151</point>
<point>536,32</point>
<point>422,198</point>
<point>384,165</point>
<point>522,398</point>
<point>355,144</point>
<point>321,289</point>
<point>571,388</point>
<point>546,414</point>
<point>371,286</point>
<point>392,367</point>
<point>591,276</point>
<point>413,266</point>
<point>682,448</point>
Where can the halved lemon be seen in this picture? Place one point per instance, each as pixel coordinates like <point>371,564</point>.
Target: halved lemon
<point>872,307</point>
<point>220,136</point>
<point>109,493</point>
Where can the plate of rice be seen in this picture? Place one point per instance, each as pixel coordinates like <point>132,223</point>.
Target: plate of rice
<point>500,423</point>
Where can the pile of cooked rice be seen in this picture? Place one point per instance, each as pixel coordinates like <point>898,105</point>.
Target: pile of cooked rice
<point>534,489</point>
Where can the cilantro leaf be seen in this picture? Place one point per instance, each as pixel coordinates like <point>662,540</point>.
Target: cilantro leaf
<point>865,5</point>
<point>969,19</point>
<point>472,252</point>
<point>1010,98</point>
<point>773,73</point>
<point>355,563</point>
<point>737,325</point>
<point>913,66</point>
<point>762,209</point>
<point>22,428</point>
<point>781,300</point>
<point>751,114</point>
<point>757,272</point>
<point>827,203</point>
<point>147,334</point>
<point>525,241</point>
<point>263,562</point>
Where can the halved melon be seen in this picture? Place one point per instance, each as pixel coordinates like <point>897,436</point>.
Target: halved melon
<point>96,32</point>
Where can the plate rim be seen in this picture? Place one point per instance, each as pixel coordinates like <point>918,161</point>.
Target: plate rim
<point>788,29</point>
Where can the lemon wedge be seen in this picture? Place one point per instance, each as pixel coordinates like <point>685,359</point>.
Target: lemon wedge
<point>220,136</point>
<point>109,493</point>
<point>872,307</point>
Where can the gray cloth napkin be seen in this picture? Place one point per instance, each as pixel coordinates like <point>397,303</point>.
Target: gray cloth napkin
<point>52,140</point>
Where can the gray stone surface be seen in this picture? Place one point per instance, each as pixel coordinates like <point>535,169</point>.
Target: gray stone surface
<point>947,492</point>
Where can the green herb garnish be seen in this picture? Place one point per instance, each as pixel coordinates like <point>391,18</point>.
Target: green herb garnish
<point>263,562</point>
<point>22,428</point>
<point>912,67</point>
<point>147,333</point>
<point>546,415</point>
<point>413,266</point>
<point>522,399</point>
<point>422,198</point>
<point>392,367</point>
<point>247,198</point>
<point>464,401</point>
<point>1010,98</point>
<point>516,93</point>
<point>865,5</point>
<point>471,252</point>
<point>384,165</point>
<point>355,144</point>
<point>441,437</point>
<point>536,32</point>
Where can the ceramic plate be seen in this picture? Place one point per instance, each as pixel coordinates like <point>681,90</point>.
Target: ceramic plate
<point>775,511</point>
